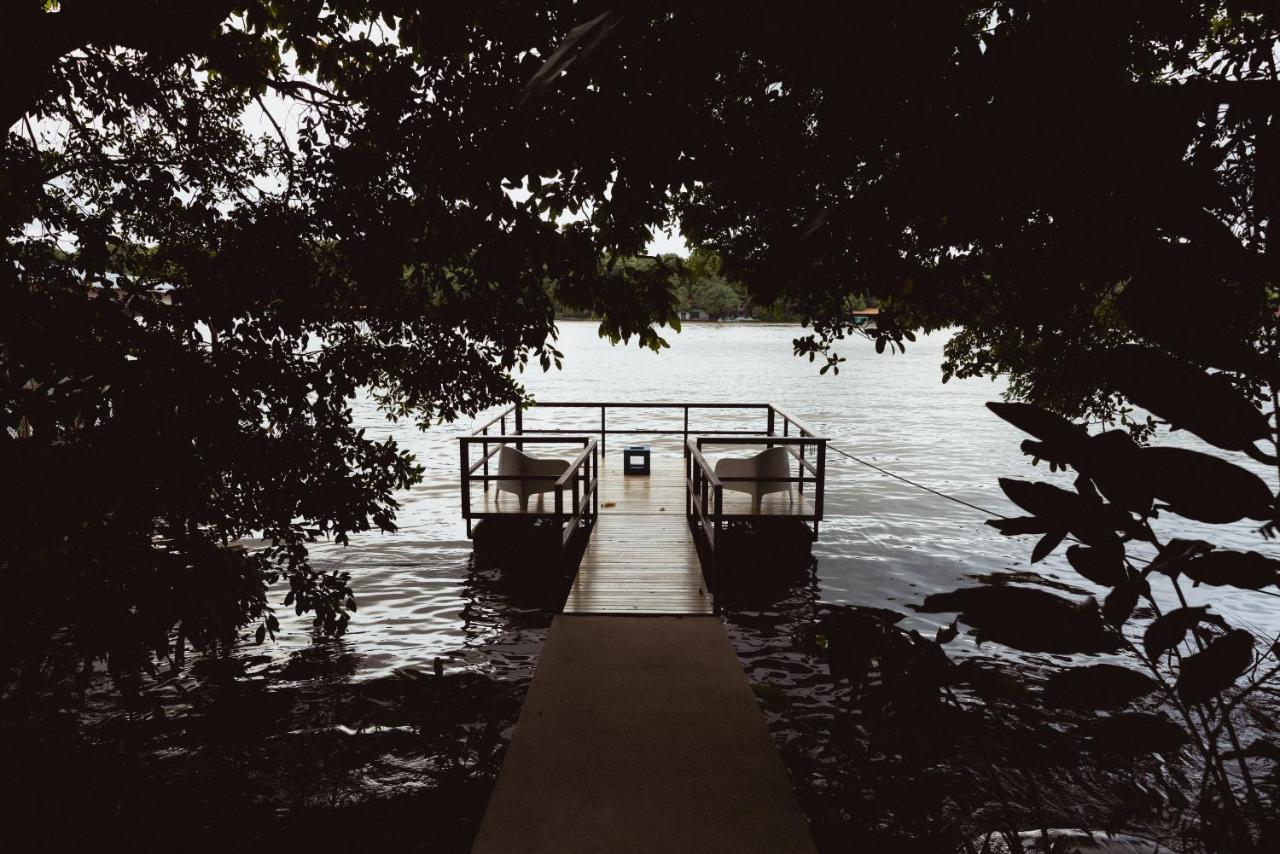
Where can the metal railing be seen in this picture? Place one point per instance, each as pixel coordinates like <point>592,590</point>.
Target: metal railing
<point>704,504</point>
<point>704,489</point>
<point>604,430</point>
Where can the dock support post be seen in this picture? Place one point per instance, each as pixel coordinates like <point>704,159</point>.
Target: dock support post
<point>466,484</point>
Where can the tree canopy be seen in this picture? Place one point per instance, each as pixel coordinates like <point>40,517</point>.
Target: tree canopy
<point>191,303</point>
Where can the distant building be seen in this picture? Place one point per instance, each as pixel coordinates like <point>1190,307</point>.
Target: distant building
<point>865,316</point>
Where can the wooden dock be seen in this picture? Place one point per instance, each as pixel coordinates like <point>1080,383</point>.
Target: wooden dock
<point>640,732</point>
<point>644,565</point>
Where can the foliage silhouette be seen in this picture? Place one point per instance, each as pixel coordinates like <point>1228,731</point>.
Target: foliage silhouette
<point>1204,667</point>
<point>191,305</point>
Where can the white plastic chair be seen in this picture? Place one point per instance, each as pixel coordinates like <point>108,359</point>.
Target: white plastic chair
<point>513,464</point>
<point>773,462</point>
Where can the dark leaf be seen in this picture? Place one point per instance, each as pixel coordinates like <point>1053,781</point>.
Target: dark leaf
<point>946,634</point>
<point>1028,619</point>
<point>1110,460</point>
<point>991,682</point>
<point>1047,544</point>
<point>1101,565</point>
<point>1175,553</point>
<point>1169,630</point>
<point>1206,488</point>
<point>1246,570</point>
<point>1097,686</point>
<point>1060,439</point>
<point>1088,520</point>
<point>1187,397</point>
<point>1203,675</point>
<point>1136,732</point>
<point>1020,525</point>
<point>1120,603</point>
<point>1046,451</point>
<point>261,634</point>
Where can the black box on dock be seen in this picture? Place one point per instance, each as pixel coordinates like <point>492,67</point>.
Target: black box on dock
<point>635,459</point>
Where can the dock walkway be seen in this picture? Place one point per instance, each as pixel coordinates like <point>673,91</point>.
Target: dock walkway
<point>641,733</point>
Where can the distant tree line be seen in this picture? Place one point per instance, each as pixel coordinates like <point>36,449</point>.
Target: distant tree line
<point>702,291</point>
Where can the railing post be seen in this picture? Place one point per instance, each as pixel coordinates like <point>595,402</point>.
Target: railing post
<point>577,498</point>
<point>519,424</point>
<point>771,422</point>
<point>485,432</point>
<point>821,487</point>
<point>686,430</point>
<point>603,432</point>
<point>800,466</point>
<point>559,519</point>
<point>466,483</point>
<point>715,543</point>
<point>689,479</point>
<point>594,484</point>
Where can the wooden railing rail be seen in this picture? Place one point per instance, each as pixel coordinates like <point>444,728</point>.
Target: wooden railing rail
<point>581,479</point>
<point>703,487</point>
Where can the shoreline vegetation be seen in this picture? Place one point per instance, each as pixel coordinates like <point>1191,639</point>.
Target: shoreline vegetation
<point>703,290</point>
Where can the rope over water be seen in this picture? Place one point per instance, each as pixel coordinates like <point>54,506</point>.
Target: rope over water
<point>960,501</point>
<point>964,503</point>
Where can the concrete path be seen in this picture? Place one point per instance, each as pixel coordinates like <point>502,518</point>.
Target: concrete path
<point>641,734</point>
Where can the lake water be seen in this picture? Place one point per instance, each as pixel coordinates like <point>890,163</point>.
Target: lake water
<point>883,543</point>
<point>354,739</point>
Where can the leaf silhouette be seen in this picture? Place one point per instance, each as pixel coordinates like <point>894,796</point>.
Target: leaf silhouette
<point>1188,397</point>
<point>1104,566</point>
<point>1204,487</point>
<point>1110,459</point>
<point>1170,629</point>
<point>1136,732</point>
<point>1097,686</point>
<point>1047,544</point>
<point>1020,525</point>
<point>1175,553</point>
<point>1028,619</point>
<point>1087,519</point>
<point>1215,669</point>
<point>1246,570</point>
<point>1060,439</point>
<point>1120,602</point>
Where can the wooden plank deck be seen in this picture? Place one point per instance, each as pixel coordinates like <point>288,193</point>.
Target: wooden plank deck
<point>639,564</point>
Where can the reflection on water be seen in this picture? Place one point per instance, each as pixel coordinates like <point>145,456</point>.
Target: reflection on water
<point>295,748</point>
